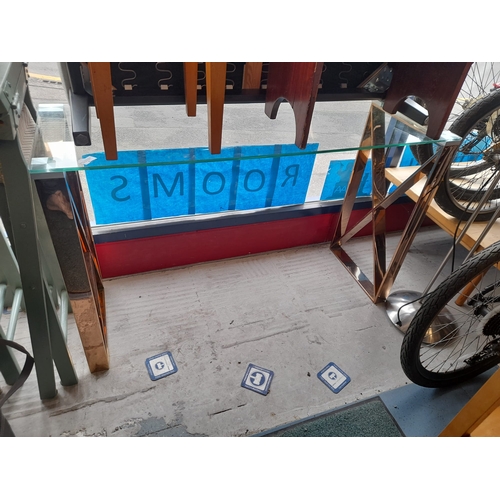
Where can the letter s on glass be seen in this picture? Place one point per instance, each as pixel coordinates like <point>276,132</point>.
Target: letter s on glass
<point>119,188</point>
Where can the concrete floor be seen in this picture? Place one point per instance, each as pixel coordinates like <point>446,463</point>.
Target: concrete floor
<point>291,312</point>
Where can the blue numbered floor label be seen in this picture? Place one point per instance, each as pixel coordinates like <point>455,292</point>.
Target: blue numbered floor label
<point>257,379</point>
<point>161,365</point>
<point>333,377</point>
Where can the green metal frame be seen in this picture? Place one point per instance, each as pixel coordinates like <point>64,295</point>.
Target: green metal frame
<point>47,334</point>
<point>11,295</point>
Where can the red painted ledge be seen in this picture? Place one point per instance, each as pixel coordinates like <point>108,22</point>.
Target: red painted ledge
<point>121,258</point>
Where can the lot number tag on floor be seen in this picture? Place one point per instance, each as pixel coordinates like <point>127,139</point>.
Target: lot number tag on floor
<point>161,365</point>
<point>333,377</point>
<point>257,379</point>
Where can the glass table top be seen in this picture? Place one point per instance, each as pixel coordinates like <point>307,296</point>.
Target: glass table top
<point>56,152</point>
<point>186,180</point>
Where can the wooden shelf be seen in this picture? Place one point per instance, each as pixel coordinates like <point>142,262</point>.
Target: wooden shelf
<point>445,221</point>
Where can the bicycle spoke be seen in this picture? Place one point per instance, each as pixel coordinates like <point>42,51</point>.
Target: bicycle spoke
<point>466,337</point>
<point>446,342</point>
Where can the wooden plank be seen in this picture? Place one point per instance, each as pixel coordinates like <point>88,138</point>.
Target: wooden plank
<point>100,76</point>
<point>216,90</point>
<point>252,73</point>
<point>445,221</point>
<point>190,88</point>
<point>476,410</point>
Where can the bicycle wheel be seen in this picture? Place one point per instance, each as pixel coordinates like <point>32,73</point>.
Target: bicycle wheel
<point>481,79</point>
<point>446,343</point>
<point>476,163</point>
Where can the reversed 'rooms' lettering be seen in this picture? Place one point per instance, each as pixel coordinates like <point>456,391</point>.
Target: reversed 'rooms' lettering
<point>206,181</point>
<point>247,180</point>
<point>123,185</point>
<point>179,178</point>
<point>289,175</point>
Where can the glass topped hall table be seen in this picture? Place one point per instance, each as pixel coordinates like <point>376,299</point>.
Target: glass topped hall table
<point>242,179</point>
<point>255,178</point>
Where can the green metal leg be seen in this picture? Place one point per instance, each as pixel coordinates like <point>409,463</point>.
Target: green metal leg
<point>19,193</point>
<point>29,103</point>
<point>14,313</point>
<point>8,364</point>
<point>4,215</point>
<point>60,351</point>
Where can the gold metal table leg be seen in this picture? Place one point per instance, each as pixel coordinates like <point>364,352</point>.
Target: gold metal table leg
<point>384,277</point>
<point>74,247</point>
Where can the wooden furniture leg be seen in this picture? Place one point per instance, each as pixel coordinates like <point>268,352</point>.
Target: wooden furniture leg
<point>190,89</point>
<point>216,90</point>
<point>252,73</point>
<point>100,77</point>
<point>298,84</point>
<point>437,83</point>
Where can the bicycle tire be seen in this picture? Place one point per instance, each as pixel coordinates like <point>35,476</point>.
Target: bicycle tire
<point>455,195</point>
<point>472,326</point>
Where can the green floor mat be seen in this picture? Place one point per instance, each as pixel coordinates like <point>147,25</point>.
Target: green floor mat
<point>367,419</point>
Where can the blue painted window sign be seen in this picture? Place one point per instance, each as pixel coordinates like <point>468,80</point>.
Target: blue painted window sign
<point>339,173</point>
<point>142,193</point>
<point>128,194</point>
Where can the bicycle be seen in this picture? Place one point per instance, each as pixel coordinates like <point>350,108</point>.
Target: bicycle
<point>455,333</point>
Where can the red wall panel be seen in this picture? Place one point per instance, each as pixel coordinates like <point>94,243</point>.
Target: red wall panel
<point>149,254</point>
